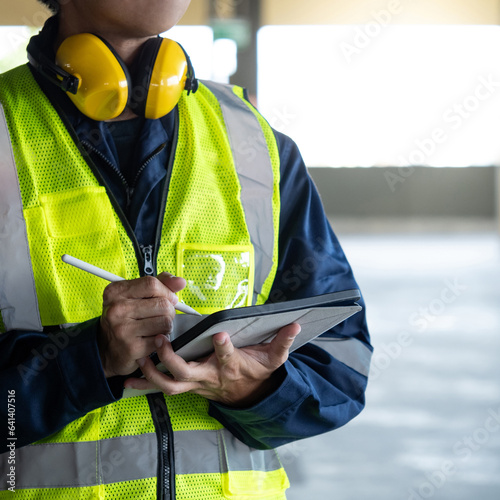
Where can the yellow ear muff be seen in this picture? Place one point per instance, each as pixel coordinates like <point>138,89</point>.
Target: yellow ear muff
<point>103,88</point>
<point>168,79</point>
<point>160,78</point>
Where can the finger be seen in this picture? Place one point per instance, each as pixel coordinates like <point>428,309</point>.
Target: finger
<point>173,283</point>
<point>152,327</point>
<point>141,347</point>
<point>280,345</point>
<point>140,318</point>
<point>141,288</point>
<point>223,347</point>
<point>155,307</point>
<point>139,384</point>
<point>160,380</point>
<point>181,370</point>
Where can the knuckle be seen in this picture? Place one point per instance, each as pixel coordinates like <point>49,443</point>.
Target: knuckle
<point>116,311</point>
<point>169,391</point>
<point>225,356</point>
<point>108,293</point>
<point>166,324</point>
<point>163,304</point>
<point>151,285</point>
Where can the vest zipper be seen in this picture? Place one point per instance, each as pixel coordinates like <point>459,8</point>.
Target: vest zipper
<point>156,152</point>
<point>147,251</point>
<point>165,188</point>
<point>129,191</point>
<point>159,412</point>
<point>102,182</point>
<point>146,259</point>
<point>165,439</point>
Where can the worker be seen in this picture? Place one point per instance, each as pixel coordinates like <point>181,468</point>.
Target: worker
<point>112,151</point>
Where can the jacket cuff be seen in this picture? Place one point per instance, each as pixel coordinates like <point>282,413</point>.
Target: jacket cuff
<point>81,369</point>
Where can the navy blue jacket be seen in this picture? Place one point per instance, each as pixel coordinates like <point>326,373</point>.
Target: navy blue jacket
<point>58,377</point>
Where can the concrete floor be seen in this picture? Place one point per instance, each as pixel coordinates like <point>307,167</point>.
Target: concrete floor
<point>431,427</point>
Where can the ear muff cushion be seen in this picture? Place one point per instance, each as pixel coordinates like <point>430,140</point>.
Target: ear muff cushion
<point>103,90</point>
<point>161,70</point>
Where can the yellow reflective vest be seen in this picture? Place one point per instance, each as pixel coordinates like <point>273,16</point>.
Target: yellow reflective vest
<point>219,230</point>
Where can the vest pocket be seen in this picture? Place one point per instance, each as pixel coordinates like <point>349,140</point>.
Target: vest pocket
<point>250,474</point>
<point>217,276</point>
<point>79,222</point>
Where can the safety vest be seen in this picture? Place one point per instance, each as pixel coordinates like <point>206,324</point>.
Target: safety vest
<point>219,230</point>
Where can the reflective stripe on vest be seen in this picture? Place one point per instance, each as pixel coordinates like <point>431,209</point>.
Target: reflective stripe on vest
<point>255,172</point>
<point>18,300</point>
<point>130,458</point>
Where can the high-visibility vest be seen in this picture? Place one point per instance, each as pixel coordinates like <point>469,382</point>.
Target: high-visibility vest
<point>219,230</point>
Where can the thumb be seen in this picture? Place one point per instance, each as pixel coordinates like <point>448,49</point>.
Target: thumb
<point>174,283</point>
<point>280,345</point>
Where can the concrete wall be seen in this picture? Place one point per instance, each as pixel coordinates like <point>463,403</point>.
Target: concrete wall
<point>398,193</point>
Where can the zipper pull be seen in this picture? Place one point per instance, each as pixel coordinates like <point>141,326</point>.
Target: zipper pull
<point>147,251</point>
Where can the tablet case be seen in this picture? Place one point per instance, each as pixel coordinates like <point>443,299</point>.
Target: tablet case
<point>257,324</point>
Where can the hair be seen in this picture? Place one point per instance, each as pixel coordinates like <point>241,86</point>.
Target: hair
<point>53,5</point>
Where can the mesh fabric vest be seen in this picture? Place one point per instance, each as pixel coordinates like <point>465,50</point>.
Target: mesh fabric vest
<point>68,210</point>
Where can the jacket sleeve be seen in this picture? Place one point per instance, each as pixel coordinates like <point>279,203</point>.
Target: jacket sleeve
<point>55,379</point>
<point>322,388</point>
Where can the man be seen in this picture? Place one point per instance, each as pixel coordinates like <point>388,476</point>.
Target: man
<point>137,194</point>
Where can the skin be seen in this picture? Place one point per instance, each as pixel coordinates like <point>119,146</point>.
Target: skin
<point>138,314</point>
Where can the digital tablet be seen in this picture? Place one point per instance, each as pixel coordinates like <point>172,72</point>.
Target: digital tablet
<point>258,324</point>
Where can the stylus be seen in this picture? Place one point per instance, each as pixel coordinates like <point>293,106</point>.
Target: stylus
<point>101,273</point>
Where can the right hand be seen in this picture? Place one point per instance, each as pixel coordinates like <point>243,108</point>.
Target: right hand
<point>134,312</point>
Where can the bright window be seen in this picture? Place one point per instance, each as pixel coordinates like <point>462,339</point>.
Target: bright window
<point>198,43</point>
<point>374,95</point>
<point>13,41</point>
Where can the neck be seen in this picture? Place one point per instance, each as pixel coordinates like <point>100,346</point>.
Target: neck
<point>126,48</point>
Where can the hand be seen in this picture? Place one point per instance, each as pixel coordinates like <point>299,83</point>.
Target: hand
<point>235,377</point>
<point>134,312</point>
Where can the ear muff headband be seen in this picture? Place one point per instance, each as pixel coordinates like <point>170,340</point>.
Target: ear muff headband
<point>103,87</point>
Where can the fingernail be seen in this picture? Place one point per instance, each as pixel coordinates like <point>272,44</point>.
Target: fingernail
<point>158,341</point>
<point>141,362</point>
<point>220,341</point>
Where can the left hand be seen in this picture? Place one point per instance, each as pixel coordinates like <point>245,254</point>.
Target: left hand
<point>235,377</point>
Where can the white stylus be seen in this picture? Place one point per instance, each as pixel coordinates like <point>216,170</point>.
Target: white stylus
<point>101,273</point>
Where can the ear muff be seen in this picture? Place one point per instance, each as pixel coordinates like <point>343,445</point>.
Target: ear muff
<point>159,77</point>
<point>103,79</point>
<point>98,82</point>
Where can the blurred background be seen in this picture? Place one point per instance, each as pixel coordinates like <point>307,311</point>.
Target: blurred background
<point>395,105</point>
